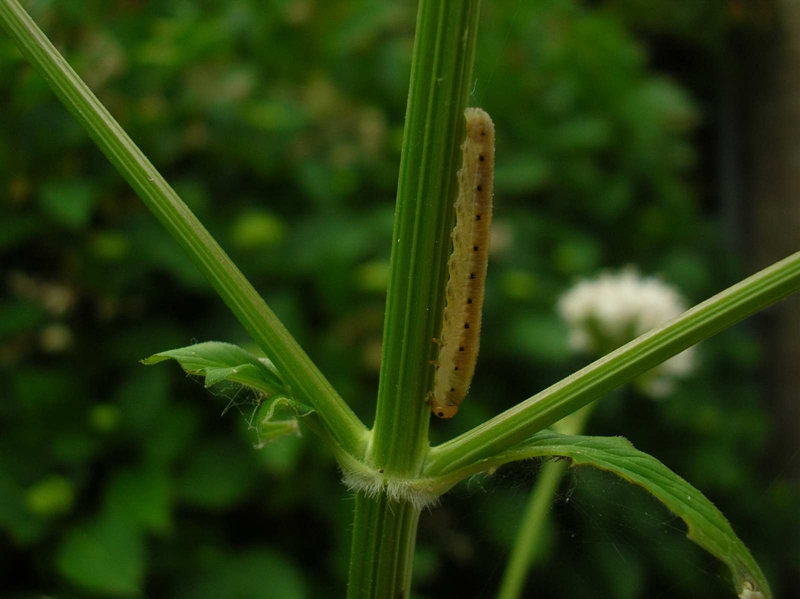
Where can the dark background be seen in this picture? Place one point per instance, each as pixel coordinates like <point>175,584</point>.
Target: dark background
<point>658,133</point>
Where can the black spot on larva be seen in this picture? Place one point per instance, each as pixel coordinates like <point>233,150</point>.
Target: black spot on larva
<point>469,300</point>
<point>472,275</point>
<point>460,349</point>
<point>440,414</point>
<point>474,248</point>
<point>481,158</point>
<point>466,325</point>
<point>452,390</point>
<point>478,217</point>
<point>483,132</point>
<point>480,187</point>
<point>456,367</point>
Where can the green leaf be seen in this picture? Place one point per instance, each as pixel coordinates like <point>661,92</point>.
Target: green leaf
<point>219,475</point>
<point>19,229</point>
<point>527,173</point>
<point>706,525</point>
<point>543,337</point>
<point>69,202</point>
<point>256,574</point>
<point>50,497</point>
<point>19,317</point>
<point>17,521</point>
<point>142,498</point>
<point>269,427</point>
<point>256,230</point>
<point>106,557</point>
<point>219,362</point>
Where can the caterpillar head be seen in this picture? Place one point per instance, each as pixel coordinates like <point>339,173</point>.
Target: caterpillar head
<point>445,411</point>
<point>480,127</point>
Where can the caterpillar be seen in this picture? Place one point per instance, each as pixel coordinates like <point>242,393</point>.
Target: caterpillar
<point>461,322</point>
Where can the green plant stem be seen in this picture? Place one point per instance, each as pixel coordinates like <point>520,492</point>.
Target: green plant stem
<point>306,381</point>
<point>520,422</point>
<point>384,532</point>
<point>381,556</point>
<point>441,72</point>
<point>527,545</point>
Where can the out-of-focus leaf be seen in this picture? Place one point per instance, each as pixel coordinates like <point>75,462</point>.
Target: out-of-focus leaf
<point>522,174</point>
<point>16,517</point>
<point>281,459</point>
<point>154,248</point>
<point>218,476</point>
<point>373,276</point>
<point>500,521</point>
<point>585,133</point>
<point>273,116</point>
<point>19,317</point>
<point>171,435</point>
<point>426,563</point>
<point>256,230</point>
<point>69,202</point>
<point>16,229</point>
<point>257,574</point>
<point>141,497</point>
<point>218,362</point>
<point>104,417</point>
<point>74,447</point>
<point>142,398</point>
<point>106,557</point>
<point>51,496</point>
<point>110,246</point>
<point>519,284</point>
<point>577,255</point>
<point>543,337</point>
<point>40,389</point>
<point>144,339</point>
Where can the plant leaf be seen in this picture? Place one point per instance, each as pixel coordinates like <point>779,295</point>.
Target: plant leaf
<point>706,525</point>
<point>106,557</point>
<point>270,427</point>
<point>217,362</point>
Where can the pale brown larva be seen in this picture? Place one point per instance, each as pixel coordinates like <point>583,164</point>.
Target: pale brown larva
<point>461,323</point>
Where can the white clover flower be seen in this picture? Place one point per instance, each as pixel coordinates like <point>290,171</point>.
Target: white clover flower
<point>607,312</point>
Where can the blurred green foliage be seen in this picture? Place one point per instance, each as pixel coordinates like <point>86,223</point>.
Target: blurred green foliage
<point>280,124</point>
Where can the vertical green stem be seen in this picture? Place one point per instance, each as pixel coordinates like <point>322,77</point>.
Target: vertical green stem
<point>382,554</point>
<point>441,73</point>
<point>384,531</point>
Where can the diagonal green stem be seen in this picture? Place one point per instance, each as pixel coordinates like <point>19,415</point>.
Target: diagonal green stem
<point>715,314</point>
<point>260,322</point>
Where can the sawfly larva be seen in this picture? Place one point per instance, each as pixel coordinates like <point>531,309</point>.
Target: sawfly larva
<point>461,322</point>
